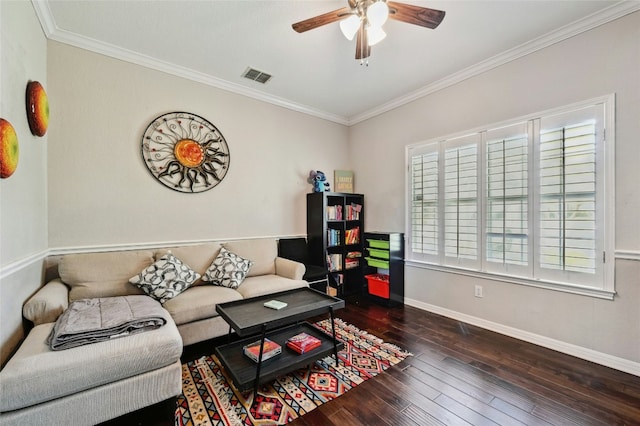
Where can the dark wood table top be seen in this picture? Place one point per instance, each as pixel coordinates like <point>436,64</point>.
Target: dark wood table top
<point>248,316</point>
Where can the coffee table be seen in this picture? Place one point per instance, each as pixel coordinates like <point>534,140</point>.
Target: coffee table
<point>253,321</point>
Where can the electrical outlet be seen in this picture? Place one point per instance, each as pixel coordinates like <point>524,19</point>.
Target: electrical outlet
<point>478,291</point>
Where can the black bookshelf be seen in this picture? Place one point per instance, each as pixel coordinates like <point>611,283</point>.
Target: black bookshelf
<point>335,235</point>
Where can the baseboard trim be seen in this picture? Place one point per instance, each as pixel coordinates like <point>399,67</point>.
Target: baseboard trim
<point>607,360</point>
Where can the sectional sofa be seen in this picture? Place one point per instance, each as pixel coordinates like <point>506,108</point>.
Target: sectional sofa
<point>100,381</point>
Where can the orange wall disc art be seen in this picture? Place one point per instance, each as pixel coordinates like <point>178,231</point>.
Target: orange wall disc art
<point>185,152</point>
<point>37,108</point>
<point>9,149</point>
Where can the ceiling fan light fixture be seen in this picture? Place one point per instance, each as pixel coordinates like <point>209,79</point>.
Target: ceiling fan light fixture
<point>375,35</point>
<point>350,26</point>
<point>378,13</point>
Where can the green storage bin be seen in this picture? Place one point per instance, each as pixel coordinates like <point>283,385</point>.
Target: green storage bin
<point>380,254</point>
<point>381,244</point>
<point>377,263</point>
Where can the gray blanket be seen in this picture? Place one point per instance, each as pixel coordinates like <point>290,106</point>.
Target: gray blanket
<point>95,320</point>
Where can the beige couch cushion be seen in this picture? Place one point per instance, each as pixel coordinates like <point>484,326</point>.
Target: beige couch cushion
<point>262,252</point>
<point>48,303</point>
<point>103,274</point>
<point>198,257</point>
<point>37,374</point>
<point>199,302</point>
<point>266,284</point>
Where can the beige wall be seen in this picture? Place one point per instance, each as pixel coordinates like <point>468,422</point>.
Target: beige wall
<point>599,62</point>
<point>101,192</point>
<point>23,196</point>
<point>90,166</point>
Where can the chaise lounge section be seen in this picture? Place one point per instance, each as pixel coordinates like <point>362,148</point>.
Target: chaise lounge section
<point>97,382</point>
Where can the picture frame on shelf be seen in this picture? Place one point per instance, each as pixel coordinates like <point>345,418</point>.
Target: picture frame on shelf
<point>343,181</point>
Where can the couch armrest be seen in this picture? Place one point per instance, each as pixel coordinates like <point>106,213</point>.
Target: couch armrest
<point>48,303</point>
<point>289,268</point>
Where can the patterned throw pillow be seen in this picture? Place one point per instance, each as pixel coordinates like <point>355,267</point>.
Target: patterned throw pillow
<point>166,278</point>
<point>227,270</point>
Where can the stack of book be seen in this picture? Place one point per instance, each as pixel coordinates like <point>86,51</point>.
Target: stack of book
<point>334,212</point>
<point>269,350</point>
<point>333,237</point>
<point>353,211</point>
<point>352,260</point>
<point>352,236</point>
<point>303,343</point>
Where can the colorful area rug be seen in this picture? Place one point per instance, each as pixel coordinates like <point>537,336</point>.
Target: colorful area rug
<point>208,398</point>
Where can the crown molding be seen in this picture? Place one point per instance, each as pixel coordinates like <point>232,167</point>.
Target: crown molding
<point>587,23</point>
<point>52,32</point>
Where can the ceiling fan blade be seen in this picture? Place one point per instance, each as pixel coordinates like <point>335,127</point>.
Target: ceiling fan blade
<point>320,20</point>
<point>363,50</point>
<point>416,15</point>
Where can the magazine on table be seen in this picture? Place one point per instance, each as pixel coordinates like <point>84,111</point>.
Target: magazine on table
<point>269,350</point>
<point>303,342</point>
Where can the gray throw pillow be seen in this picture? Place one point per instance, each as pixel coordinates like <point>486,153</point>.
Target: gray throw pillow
<point>227,270</point>
<point>166,278</point>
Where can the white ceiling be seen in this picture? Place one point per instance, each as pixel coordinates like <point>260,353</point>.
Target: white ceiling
<point>214,41</point>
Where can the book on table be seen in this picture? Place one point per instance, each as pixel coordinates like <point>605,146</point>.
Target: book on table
<point>303,343</point>
<point>269,350</point>
<point>275,304</point>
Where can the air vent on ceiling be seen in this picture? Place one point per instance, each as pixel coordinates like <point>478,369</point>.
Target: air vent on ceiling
<point>255,75</point>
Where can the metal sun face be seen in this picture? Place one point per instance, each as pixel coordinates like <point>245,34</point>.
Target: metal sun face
<point>185,152</point>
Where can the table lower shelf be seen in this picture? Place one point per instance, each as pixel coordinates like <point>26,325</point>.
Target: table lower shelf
<point>243,370</point>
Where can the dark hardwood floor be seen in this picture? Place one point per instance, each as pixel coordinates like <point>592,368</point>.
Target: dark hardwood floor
<point>465,375</point>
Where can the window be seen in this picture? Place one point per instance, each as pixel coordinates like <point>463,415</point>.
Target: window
<point>523,201</point>
<point>507,224</point>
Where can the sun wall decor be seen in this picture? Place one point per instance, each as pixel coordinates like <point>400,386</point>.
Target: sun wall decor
<point>9,149</point>
<point>185,152</point>
<point>37,108</point>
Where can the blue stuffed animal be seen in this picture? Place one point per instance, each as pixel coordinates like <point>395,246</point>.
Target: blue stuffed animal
<point>319,181</point>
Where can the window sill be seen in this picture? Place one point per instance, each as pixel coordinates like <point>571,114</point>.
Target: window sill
<point>548,285</point>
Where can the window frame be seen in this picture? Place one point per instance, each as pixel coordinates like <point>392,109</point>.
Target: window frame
<point>528,275</point>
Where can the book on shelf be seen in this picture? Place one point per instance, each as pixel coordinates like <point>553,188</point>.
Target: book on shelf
<point>338,278</point>
<point>333,237</point>
<point>351,263</point>
<point>303,342</point>
<point>270,349</point>
<point>352,259</point>
<point>334,212</point>
<point>353,211</point>
<point>352,236</point>
<point>334,261</point>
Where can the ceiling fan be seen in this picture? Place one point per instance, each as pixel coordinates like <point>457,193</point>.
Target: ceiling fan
<point>366,17</point>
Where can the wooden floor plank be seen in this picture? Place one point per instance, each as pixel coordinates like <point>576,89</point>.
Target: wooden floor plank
<point>461,374</point>
<point>521,415</point>
<point>421,417</point>
<point>432,411</point>
<point>465,412</point>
